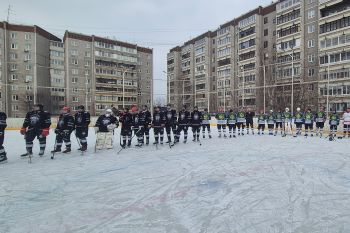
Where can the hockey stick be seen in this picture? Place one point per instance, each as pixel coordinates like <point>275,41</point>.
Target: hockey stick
<point>120,138</point>
<point>53,152</point>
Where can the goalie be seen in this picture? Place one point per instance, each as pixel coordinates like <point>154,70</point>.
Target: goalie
<point>104,129</point>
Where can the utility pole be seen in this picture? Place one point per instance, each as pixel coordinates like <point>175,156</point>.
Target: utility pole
<point>8,13</point>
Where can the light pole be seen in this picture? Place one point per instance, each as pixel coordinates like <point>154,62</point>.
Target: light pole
<point>292,94</point>
<point>168,86</point>
<point>266,56</point>
<point>243,82</point>
<point>123,74</point>
<point>86,91</point>
<point>328,73</point>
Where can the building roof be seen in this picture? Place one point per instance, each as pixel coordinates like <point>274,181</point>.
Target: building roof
<point>90,38</point>
<point>27,28</point>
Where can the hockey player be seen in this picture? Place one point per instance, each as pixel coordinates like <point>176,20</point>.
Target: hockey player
<point>270,121</point>
<point>346,118</point>
<point>231,122</point>
<point>249,115</point>
<point>183,121</point>
<point>196,121</point>
<point>3,125</point>
<point>126,119</point>
<point>320,120</point>
<point>82,122</point>
<point>104,128</point>
<point>170,122</point>
<point>206,122</point>
<point>241,121</point>
<point>158,124</point>
<point>298,120</point>
<point>333,124</point>
<point>261,122</point>
<point>309,123</point>
<point>137,127</point>
<point>278,121</point>
<point>36,125</point>
<point>221,122</point>
<point>145,119</point>
<point>287,122</point>
<point>64,128</point>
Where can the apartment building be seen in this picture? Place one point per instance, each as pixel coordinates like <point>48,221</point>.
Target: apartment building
<point>103,73</point>
<point>334,54</point>
<point>24,67</point>
<point>57,75</point>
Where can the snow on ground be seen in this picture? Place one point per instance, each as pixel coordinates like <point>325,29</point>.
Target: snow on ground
<point>249,184</point>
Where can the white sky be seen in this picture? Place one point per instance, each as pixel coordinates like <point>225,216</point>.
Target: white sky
<point>158,24</point>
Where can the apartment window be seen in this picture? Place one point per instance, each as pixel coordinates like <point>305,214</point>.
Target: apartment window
<point>14,87</point>
<point>75,71</point>
<point>14,67</point>
<point>74,80</point>
<point>27,57</point>
<point>311,14</point>
<point>74,43</point>
<point>27,47</point>
<point>29,78</point>
<point>87,54</point>
<point>87,63</point>
<point>311,1</point>
<point>29,88</point>
<point>87,72</point>
<point>15,98</point>
<point>311,28</point>
<point>29,98</point>
<point>14,46</point>
<point>27,36</point>
<point>28,67</point>
<point>88,46</point>
<point>266,32</point>
<point>15,108</point>
<point>75,99</point>
<point>266,44</point>
<point>13,56</point>
<point>14,77</point>
<point>13,35</point>
<point>311,43</point>
<point>74,52</point>
<point>311,58</point>
<point>311,72</point>
<point>75,61</point>
<point>266,20</point>
<point>75,89</point>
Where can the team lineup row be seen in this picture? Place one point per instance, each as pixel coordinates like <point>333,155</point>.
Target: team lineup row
<point>138,123</point>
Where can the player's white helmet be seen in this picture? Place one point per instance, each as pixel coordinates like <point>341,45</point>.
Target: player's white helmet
<point>287,109</point>
<point>298,109</point>
<point>271,110</point>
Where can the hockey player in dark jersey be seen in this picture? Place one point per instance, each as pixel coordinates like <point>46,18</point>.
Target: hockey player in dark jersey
<point>249,116</point>
<point>196,122</point>
<point>183,121</point>
<point>64,128</point>
<point>320,120</point>
<point>231,122</point>
<point>206,122</point>
<point>104,129</point>
<point>82,122</point>
<point>170,122</point>
<point>36,125</point>
<point>137,127</point>
<point>287,122</point>
<point>3,125</point>
<point>145,121</point>
<point>158,124</point>
<point>126,119</point>
<point>221,120</point>
<point>261,122</point>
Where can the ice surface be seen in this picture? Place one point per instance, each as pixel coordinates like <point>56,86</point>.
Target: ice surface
<point>258,184</point>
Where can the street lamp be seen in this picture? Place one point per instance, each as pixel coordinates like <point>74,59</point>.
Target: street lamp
<point>328,74</point>
<point>266,56</point>
<point>124,70</point>
<point>168,84</point>
<point>86,91</point>
<point>243,82</point>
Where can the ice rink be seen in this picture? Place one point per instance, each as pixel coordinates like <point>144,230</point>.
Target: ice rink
<point>251,184</point>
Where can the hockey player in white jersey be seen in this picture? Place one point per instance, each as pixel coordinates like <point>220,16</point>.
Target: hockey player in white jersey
<point>346,118</point>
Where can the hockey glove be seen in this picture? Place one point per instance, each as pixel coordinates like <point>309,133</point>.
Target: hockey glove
<point>111,127</point>
<point>23,131</point>
<point>66,133</point>
<point>57,131</point>
<point>45,132</point>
